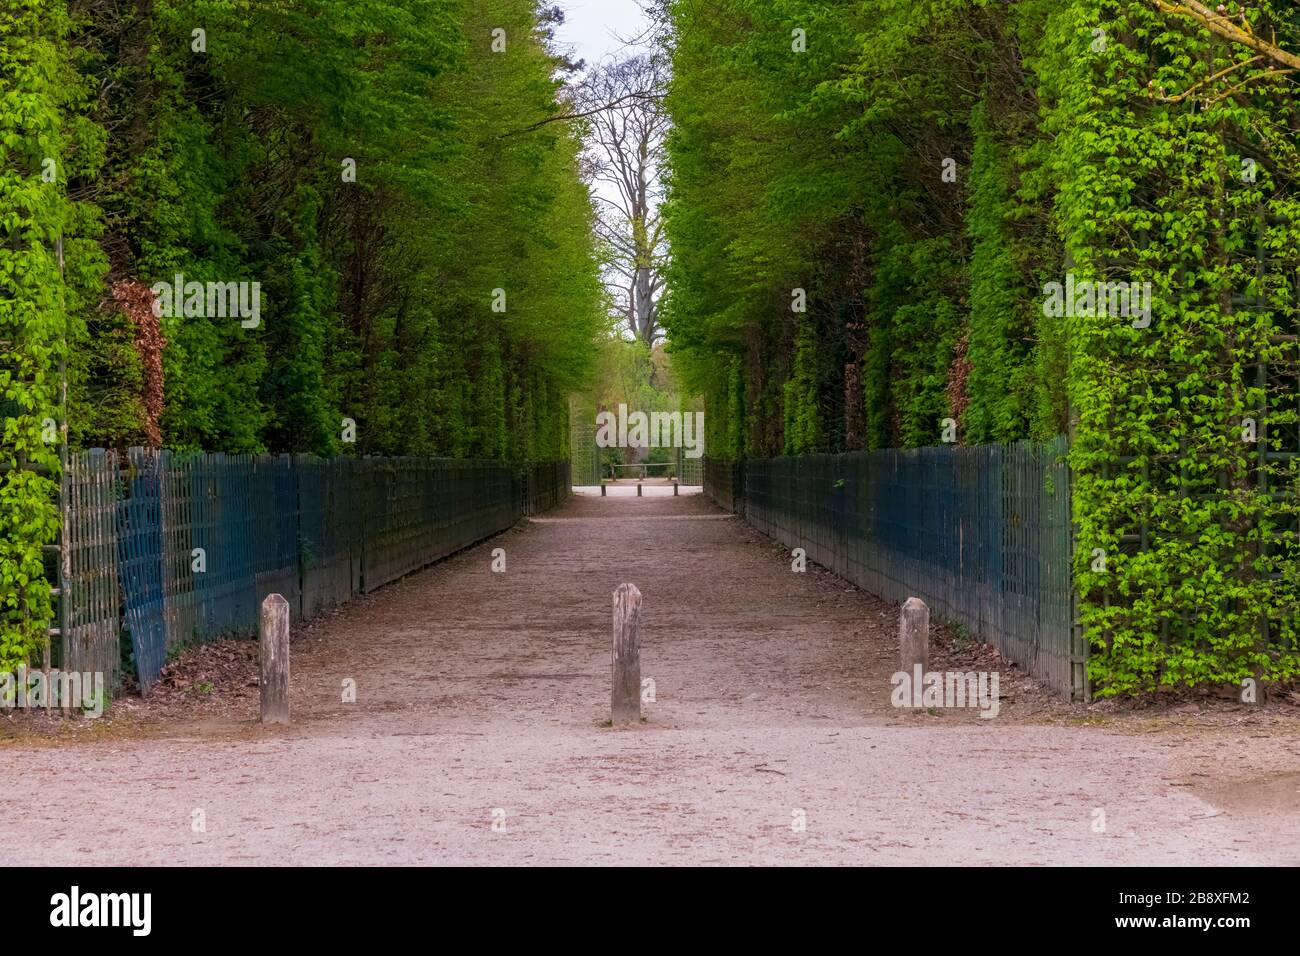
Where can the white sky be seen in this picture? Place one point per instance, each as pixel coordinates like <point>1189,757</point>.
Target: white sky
<point>590,26</point>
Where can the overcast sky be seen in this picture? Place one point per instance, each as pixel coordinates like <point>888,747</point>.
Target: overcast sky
<point>590,26</point>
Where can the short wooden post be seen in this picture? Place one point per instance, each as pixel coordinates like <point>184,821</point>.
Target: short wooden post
<point>674,488</point>
<point>602,487</point>
<point>914,637</point>
<point>625,697</point>
<point>274,636</point>
<point>638,488</point>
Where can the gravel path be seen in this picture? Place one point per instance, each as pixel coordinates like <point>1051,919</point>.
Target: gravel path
<point>478,735</point>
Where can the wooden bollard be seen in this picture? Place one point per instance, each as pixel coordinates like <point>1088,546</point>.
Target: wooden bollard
<point>602,488</point>
<point>638,488</point>
<point>625,696</point>
<point>274,636</point>
<point>674,489</point>
<point>914,638</point>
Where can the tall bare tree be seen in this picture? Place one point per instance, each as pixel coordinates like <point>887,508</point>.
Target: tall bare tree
<point>624,103</point>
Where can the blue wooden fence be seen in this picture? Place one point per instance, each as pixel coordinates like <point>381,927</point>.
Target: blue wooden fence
<point>195,542</point>
<point>982,534</point>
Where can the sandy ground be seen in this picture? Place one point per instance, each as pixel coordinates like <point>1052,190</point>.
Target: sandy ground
<point>479,734</point>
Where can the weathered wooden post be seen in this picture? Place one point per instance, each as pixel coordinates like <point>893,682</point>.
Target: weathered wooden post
<point>674,487</point>
<point>914,637</point>
<point>625,697</point>
<point>638,487</point>
<point>274,636</point>
<point>602,487</point>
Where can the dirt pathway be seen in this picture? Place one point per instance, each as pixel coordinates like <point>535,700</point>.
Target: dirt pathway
<point>481,699</point>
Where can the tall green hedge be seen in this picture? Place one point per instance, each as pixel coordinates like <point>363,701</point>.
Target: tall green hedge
<point>380,167</point>
<point>922,171</point>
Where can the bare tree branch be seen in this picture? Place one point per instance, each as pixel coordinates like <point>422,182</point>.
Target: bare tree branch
<point>1224,26</point>
<point>565,117</point>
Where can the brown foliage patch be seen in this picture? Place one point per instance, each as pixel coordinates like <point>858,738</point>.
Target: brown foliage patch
<point>958,373</point>
<point>136,301</point>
